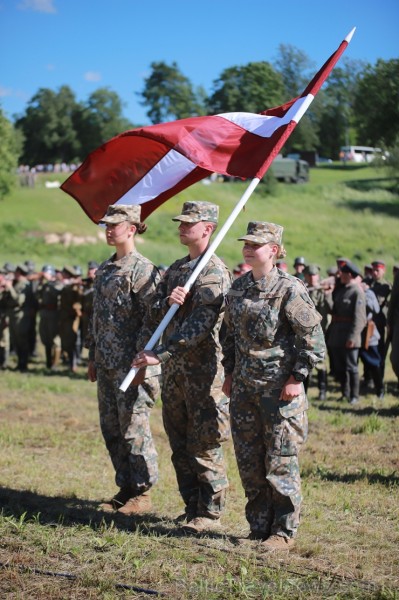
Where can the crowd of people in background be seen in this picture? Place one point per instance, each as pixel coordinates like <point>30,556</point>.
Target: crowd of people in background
<point>359,309</point>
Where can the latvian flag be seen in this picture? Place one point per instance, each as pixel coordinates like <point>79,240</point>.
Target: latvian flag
<point>149,165</point>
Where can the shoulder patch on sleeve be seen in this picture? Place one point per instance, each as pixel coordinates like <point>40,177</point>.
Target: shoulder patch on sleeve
<point>303,313</point>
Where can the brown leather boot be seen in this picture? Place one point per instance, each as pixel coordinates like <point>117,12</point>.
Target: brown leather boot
<point>117,501</point>
<point>136,505</point>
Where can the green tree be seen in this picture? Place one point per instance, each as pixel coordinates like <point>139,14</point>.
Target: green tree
<point>169,95</point>
<point>99,119</point>
<point>376,105</point>
<point>10,148</point>
<point>252,88</point>
<point>336,110</point>
<point>48,127</point>
<point>295,68</point>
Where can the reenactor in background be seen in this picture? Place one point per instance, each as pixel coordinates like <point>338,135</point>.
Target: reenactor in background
<point>345,330</point>
<point>34,277</point>
<point>382,289</point>
<point>282,265</point>
<point>19,301</point>
<point>393,326</point>
<point>48,297</point>
<point>240,269</point>
<point>369,353</point>
<point>273,340</point>
<point>322,299</point>
<point>87,298</point>
<point>299,265</point>
<point>368,274</point>
<point>70,315</point>
<point>4,329</point>
<point>194,409</point>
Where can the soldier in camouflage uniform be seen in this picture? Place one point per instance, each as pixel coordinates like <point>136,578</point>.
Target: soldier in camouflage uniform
<point>123,288</point>
<point>48,297</point>
<point>273,340</point>
<point>195,411</point>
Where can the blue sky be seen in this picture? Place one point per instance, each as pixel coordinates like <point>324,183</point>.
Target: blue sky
<point>87,44</point>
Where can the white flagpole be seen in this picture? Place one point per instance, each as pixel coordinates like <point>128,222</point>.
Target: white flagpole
<point>205,258</point>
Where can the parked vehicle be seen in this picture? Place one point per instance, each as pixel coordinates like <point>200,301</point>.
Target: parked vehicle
<point>290,170</point>
<point>360,154</point>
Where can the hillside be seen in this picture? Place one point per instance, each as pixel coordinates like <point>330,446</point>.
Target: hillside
<point>350,211</point>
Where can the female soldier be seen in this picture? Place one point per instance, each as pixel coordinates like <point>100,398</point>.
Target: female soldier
<point>123,287</point>
<point>273,340</point>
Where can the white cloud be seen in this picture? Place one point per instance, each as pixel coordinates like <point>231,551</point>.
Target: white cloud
<point>46,6</point>
<point>50,67</point>
<point>92,76</point>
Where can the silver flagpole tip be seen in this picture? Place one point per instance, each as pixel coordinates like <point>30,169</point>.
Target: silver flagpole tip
<point>350,35</point>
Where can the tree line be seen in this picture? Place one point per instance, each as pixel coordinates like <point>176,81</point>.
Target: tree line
<point>359,104</point>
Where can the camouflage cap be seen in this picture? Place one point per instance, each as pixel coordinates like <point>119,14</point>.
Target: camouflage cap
<point>194,212</point>
<point>117,213</point>
<point>312,269</point>
<point>260,232</point>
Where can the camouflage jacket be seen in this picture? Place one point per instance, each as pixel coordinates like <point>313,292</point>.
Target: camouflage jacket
<point>122,291</point>
<point>273,328</point>
<point>194,330</point>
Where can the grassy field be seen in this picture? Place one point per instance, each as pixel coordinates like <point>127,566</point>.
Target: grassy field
<point>54,543</point>
<point>349,211</point>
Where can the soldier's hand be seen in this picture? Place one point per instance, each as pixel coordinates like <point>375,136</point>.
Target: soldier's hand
<point>91,371</point>
<point>291,389</point>
<point>145,358</point>
<point>177,296</point>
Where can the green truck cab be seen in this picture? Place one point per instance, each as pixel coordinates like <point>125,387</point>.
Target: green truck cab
<point>290,170</point>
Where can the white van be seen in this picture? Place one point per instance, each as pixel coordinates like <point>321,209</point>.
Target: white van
<point>360,154</point>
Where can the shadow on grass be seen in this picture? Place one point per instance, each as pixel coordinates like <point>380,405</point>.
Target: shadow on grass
<point>69,512</point>
<point>373,478</point>
<point>381,411</point>
<point>389,208</point>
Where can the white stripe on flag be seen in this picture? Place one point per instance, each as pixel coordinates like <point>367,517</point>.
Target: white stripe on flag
<point>164,175</point>
<point>265,125</point>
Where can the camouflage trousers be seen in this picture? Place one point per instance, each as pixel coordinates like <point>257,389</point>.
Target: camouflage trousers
<point>196,420</point>
<point>125,425</point>
<point>267,436</point>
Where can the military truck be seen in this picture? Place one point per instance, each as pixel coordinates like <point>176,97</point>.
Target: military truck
<point>290,170</point>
